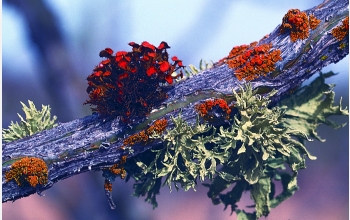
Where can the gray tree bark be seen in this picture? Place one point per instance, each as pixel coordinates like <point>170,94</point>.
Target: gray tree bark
<point>93,142</point>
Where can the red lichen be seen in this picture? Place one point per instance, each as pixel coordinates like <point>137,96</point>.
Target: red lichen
<point>205,108</point>
<point>28,170</point>
<point>252,61</point>
<point>143,136</point>
<point>130,83</point>
<point>342,30</point>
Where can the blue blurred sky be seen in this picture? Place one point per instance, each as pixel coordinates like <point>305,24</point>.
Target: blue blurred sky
<point>194,29</point>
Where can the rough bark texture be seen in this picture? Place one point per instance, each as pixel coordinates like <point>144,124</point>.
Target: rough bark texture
<point>92,142</point>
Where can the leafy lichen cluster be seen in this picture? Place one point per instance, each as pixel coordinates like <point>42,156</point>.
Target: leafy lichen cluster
<point>181,160</point>
<point>248,154</point>
<point>311,106</point>
<point>36,121</point>
<point>257,134</point>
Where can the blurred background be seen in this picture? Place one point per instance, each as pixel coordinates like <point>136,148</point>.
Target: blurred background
<point>50,47</point>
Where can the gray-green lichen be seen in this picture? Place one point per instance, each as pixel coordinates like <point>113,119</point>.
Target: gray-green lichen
<point>36,121</point>
<point>257,133</point>
<point>311,106</point>
<point>248,154</point>
<point>188,154</point>
<point>203,65</point>
<point>301,114</point>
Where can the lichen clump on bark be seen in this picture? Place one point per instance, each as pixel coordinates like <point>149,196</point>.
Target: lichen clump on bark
<point>118,169</point>
<point>205,108</point>
<point>35,122</point>
<point>297,24</point>
<point>342,30</point>
<point>313,22</point>
<point>129,84</point>
<point>157,127</point>
<point>252,61</point>
<point>28,171</point>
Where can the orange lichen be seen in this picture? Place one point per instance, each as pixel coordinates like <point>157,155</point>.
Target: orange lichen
<point>264,37</point>
<point>108,185</point>
<point>118,169</point>
<point>297,23</point>
<point>252,61</point>
<point>143,136</point>
<point>157,127</point>
<point>342,30</point>
<point>205,108</point>
<point>313,22</point>
<point>28,170</point>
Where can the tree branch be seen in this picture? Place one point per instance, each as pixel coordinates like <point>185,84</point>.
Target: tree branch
<point>93,142</point>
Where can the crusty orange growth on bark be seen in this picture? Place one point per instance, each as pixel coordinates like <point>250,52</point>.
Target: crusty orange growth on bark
<point>297,23</point>
<point>28,170</point>
<point>313,22</point>
<point>252,61</point>
<point>143,136</point>
<point>108,185</point>
<point>118,169</point>
<point>342,30</point>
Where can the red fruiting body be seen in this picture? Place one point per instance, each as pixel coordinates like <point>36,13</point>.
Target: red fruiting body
<point>252,61</point>
<point>145,44</point>
<point>169,79</point>
<point>163,45</point>
<point>129,83</point>
<point>164,66</point>
<point>151,70</point>
<point>106,52</point>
